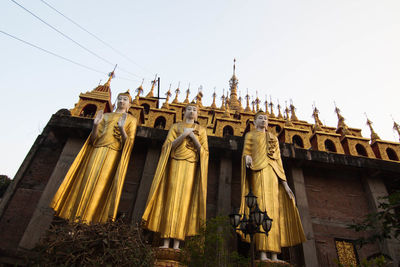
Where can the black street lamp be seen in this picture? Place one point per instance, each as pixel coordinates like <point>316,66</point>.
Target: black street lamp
<point>251,226</point>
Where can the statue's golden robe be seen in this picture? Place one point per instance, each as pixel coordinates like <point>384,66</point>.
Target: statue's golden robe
<point>176,206</point>
<point>264,178</point>
<point>92,188</point>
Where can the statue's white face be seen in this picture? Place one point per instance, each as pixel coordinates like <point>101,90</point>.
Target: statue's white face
<point>123,102</point>
<point>191,112</point>
<point>261,121</point>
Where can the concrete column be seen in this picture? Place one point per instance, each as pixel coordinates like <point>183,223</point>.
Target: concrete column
<point>309,248</point>
<point>224,185</point>
<point>376,189</point>
<point>43,214</point>
<point>150,166</point>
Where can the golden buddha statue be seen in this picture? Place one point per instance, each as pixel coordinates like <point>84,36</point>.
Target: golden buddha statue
<point>261,154</point>
<point>91,190</point>
<point>176,206</point>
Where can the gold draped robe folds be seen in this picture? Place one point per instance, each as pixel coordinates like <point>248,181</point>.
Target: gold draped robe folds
<point>92,188</point>
<point>264,178</point>
<point>176,206</point>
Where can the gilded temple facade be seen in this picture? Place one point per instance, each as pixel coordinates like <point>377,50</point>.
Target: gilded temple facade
<point>233,119</point>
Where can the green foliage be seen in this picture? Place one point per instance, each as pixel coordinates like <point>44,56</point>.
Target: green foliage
<point>77,244</point>
<point>384,224</point>
<point>4,183</point>
<point>211,247</point>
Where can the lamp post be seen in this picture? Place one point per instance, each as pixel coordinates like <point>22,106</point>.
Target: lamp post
<point>251,225</point>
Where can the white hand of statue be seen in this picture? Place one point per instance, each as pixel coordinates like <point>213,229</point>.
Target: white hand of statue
<point>288,190</point>
<point>187,131</point>
<point>249,161</point>
<point>98,118</point>
<point>122,120</point>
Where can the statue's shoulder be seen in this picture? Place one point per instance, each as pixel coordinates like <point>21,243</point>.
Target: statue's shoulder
<point>130,117</point>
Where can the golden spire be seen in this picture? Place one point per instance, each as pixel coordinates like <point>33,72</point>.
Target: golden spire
<point>280,116</point>
<point>111,75</point>
<point>186,101</point>
<point>227,113</point>
<point>318,124</point>
<point>252,104</point>
<point>374,135</point>
<point>177,91</point>
<point>257,101</point>
<point>247,109</point>
<point>168,94</point>
<point>139,91</point>
<point>214,95</point>
<point>266,105</point>
<point>199,96</point>
<point>271,105</point>
<point>341,124</point>
<point>153,83</point>
<point>287,117</point>
<point>240,102</point>
<point>293,111</point>
<point>396,127</point>
<point>233,82</point>
<point>223,100</point>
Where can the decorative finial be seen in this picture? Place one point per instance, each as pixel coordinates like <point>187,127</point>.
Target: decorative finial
<point>341,124</point>
<point>396,127</point>
<point>199,96</point>
<point>234,66</point>
<point>293,111</point>
<point>223,99</point>
<point>271,105</point>
<point>168,94</point>
<point>111,75</point>
<point>280,116</point>
<point>287,117</point>
<point>214,95</point>
<point>240,102</point>
<point>177,92</point>
<point>252,104</point>
<point>257,101</point>
<point>266,104</point>
<point>374,135</point>
<point>318,124</point>
<point>186,101</point>
<point>153,84</point>
<point>247,109</point>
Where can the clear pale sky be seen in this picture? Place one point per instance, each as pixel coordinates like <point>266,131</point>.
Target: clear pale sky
<point>346,51</point>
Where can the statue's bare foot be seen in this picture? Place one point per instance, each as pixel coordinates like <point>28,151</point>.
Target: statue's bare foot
<point>263,256</point>
<point>176,244</point>
<point>274,257</point>
<point>165,243</point>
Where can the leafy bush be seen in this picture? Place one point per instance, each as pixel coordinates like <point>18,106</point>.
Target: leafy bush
<point>76,244</point>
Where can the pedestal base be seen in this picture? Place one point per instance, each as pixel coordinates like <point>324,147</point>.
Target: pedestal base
<point>168,257</point>
<point>270,263</point>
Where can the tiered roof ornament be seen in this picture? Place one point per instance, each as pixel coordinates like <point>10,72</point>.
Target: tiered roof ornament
<point>341,124</point>
<point>271,105</point>
<point>374,135</point>
<point>280,116</point>
<point>240,102</point>
<point>233,82</point>
<point>293,111</point>
<point>288,122</point>
<point>318,123</point>
<point>199,96</point>
<point>223,100</point>
<point>266,106</point>
<point>213,105</point>
<point>396,127</point>
<point>139,91</point>
<point>177,91</point>
<point>168,94</point>
<point>257,101</point>
<point>186,101</point>
<point>247,109</point>
<point>153,84</point>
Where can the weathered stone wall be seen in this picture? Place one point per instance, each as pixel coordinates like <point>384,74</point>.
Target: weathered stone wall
<point>331,190</point>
